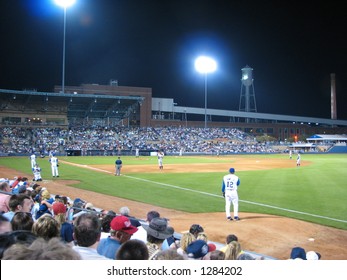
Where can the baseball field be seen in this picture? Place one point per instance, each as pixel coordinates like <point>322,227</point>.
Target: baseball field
<point>281,205</point>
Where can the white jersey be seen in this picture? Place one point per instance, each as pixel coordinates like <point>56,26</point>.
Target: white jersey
<point>160,159</point>
<point>54,161</point>
<point>298,159</point>
<point>230,182</point>
<point>36,171</point>
<point>33,160</point>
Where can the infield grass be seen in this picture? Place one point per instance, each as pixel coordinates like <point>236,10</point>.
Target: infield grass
<point>316,193</point>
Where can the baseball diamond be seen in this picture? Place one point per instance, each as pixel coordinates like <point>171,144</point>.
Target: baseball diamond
<point>262,232</point>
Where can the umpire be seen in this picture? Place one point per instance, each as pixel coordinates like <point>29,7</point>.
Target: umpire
<point>118,165</point>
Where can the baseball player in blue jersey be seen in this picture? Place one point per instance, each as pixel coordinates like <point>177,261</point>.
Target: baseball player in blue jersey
<point>229,191</point>
<point>118,163</point>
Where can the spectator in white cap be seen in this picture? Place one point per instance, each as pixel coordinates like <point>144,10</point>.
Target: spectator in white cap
<point>313,256</point>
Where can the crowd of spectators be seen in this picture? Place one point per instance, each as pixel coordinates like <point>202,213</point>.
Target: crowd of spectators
<point>172,140</point>
<point>73,229</point>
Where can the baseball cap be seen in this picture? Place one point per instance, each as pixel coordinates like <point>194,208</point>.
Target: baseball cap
<point>197,249</point>
<point>122,223</point>
<point>232,170</point>
<point>22,189</point>
<point>78,203</point>
<point>4,180</point>
<point>211,247</point>
<point>298,253</point>
<point>312,256</point>
<point>59,208</point>
<point>89,205</point>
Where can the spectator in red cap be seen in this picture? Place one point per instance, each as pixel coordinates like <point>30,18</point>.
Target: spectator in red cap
<point>121,231</point>
<point>66,229</point>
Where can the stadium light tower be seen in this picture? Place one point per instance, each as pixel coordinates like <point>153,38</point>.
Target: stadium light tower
<point>205,65</point>
<point>65,4</point>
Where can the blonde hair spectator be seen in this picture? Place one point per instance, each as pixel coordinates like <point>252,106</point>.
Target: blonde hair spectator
<point>186,239</point>
<point>233,250</point>
<point>46,227</point>
<point>202,236</point>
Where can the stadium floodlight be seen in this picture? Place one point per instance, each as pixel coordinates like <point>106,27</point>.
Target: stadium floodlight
<point>65,4</point>
<point>205,65</point>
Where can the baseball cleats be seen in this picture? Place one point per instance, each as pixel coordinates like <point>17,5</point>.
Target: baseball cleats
<point>229,218</point>
<point>236,218</point>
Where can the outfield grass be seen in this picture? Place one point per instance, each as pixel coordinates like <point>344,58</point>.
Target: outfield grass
<point>315,193</point>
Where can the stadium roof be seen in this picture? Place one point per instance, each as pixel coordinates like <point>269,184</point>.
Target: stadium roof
<point>78,105</point>
<point>327,137</point>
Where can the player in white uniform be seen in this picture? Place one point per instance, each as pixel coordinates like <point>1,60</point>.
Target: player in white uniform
<point>160,159</point>
<point>37,173</point>
<point>229,191</point>
<point>54,166</point>
<point>32,160</point>
<point>137,152</point>
<point>298,160</point>
<point>290,154</point>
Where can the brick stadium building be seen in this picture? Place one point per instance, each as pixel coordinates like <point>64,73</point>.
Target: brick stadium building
<point>109,105</point>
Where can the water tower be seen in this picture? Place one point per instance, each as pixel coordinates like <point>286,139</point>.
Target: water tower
<point>247,96</point>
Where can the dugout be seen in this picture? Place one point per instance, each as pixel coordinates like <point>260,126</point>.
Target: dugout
<point>73,152</point>
<point>327,138</point>
<point>303,147</point>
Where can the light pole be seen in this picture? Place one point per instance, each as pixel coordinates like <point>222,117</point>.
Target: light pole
<point>205,65</point>
<point>65,4</point>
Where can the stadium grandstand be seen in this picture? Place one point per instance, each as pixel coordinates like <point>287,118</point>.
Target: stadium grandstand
<point>127,117</point>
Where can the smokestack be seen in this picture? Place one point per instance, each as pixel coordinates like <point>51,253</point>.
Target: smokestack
<point>333,97</point>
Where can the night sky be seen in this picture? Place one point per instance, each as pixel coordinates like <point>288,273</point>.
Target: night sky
<point>293,47</point>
